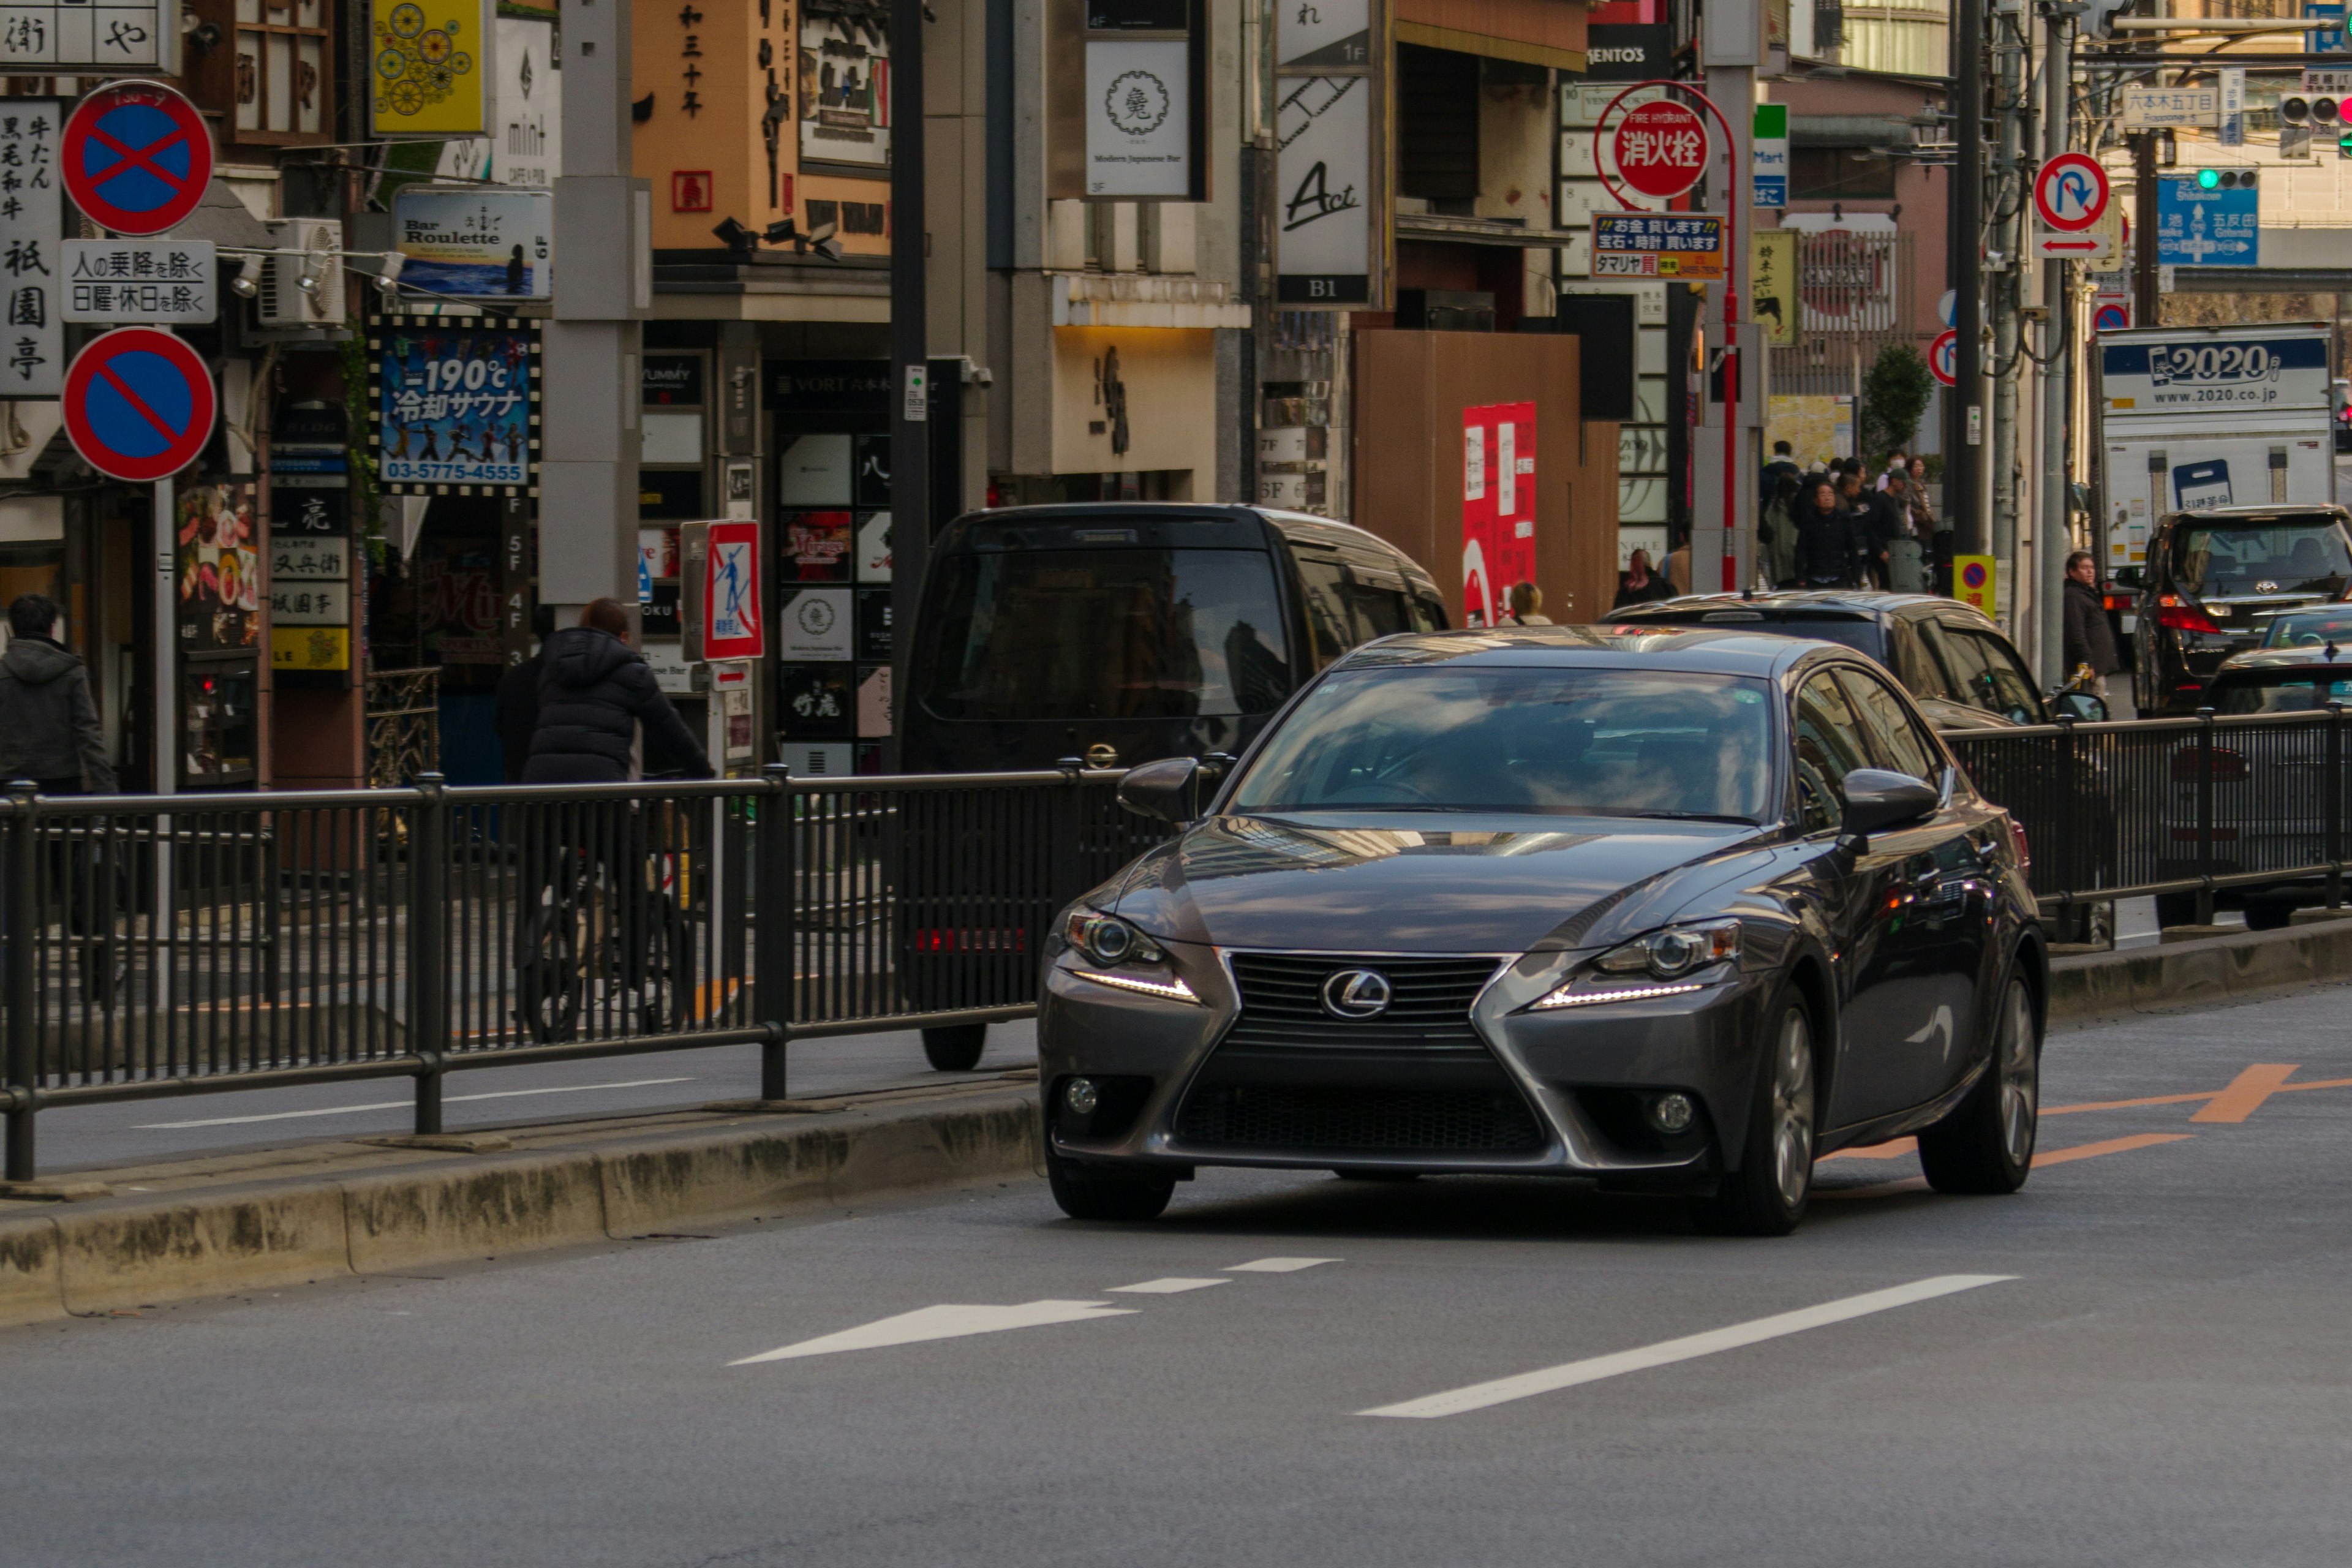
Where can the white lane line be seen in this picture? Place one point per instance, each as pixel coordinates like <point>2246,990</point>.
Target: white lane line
<point>1168,1287</point>
<point>1502,1390</point>
<point>404,1104</point>
<point>946,1323</point>
<point>1277,1265</point>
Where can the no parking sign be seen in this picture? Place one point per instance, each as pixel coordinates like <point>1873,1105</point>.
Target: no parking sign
<point>139,404</point>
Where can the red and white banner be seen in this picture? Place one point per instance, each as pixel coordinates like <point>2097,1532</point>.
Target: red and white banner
<point>1498,508</point>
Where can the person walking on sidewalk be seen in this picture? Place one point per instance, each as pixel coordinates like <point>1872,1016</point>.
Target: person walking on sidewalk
<point>48,724</point>
<point>2086,638</point>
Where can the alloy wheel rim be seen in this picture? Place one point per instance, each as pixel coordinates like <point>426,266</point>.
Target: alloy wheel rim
<point>2020,1074</point>
<point>1793,1110</point>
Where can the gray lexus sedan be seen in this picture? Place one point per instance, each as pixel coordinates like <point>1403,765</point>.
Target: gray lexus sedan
<point>1675,912</point>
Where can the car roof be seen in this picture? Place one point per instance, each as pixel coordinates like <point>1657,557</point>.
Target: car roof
<point>1849,601</point>
<point>1698,650</point>
<point>1291,525</point>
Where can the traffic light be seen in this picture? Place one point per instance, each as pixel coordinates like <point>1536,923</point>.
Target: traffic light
<point>2241,179</point>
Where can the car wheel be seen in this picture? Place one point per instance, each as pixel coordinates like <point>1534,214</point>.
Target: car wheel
<point>1986,1144</point>
<point>1093,1194</point>
<point>2176,909</point>
<point>955,1049</point>
<point>1767,1195</point>
<point>2269,916</point>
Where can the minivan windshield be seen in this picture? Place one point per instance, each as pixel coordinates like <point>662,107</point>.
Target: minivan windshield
<point>1106,634</point>
<point>1597,743</point>
<point>2291,556</point>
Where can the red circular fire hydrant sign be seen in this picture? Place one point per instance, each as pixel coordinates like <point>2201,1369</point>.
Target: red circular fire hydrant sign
<point>1660,148</point>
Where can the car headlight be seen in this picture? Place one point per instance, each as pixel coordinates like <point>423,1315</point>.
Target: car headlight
<point>1108,941</point>
<point>1648,967</point>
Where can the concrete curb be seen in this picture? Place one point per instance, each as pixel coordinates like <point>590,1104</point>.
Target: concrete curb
<point>122,1252</point>
<point>395,1210</point>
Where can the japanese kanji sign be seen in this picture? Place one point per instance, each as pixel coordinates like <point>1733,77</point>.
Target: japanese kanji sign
<point>76,38</point>
<point>159,281</point>
<point>32,219</point>
<point>1684,246</point>
<point>1660,148</point>
<point>456,402</point>
<point>136,157</point>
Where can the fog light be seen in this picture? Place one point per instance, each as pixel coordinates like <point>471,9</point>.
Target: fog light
<point>1081,1096</point>
<point>1669,1113</point>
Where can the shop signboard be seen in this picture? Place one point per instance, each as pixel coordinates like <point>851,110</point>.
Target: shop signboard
<point>219,575</point>
<point>1498,507</point>
<point>1139,117</point>
<point>526,113</point>
<point>311,603</point>
<point>1687,246</point>
<point>75,37</point>
<point>456,403</point>
<point>432,72</point>
<point>167,282</point>
<point>844,85</point>
<point>478,242</point>
<point>32,220</point>
<point>1323,187</point>
<point>1327,36</point>
<point>1776,301</point>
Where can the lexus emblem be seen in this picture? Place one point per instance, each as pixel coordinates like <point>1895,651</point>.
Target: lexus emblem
<point>1356,994</point>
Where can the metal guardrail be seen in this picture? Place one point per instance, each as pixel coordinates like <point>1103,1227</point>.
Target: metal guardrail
<point>2190,806</point>
<point>189,945</point>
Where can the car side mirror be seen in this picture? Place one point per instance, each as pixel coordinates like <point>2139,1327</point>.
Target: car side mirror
<point>2087,706</point>
<point>1876,799</point>
<point>1162,789</point>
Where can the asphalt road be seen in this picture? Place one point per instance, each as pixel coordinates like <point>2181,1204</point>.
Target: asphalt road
<point>2138,1360</point>
<point>84,1137</point>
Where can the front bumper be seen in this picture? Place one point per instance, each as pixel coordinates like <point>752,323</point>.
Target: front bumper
<point>1560,1092</point>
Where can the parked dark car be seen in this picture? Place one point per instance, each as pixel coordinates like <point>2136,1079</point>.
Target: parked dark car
<point>1964,671</point>
<point>2214,579</point>
<point>1118,634</point>
<point>1669,912</point>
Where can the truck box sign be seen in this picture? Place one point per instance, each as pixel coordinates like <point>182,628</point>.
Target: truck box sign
<point>2201,374</point>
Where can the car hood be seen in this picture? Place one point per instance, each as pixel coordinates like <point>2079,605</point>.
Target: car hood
<point>1413,882</point>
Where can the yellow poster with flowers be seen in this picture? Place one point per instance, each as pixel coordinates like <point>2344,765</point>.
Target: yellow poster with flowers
<point>431,70</point>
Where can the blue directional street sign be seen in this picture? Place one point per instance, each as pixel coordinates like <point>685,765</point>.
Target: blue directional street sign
<point>2328,37</point>
<point>2197,228</point>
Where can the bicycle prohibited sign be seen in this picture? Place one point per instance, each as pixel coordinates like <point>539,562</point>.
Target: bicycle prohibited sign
<point>136,157</point>
<point>139,404</point>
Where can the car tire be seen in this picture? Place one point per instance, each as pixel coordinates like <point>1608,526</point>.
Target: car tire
<point>1085,1193</point>
<point>2176,909</point>
<point>1768,1194</point>
<point>957,1047</point>
<point>2269,916</point>
<point>1986,1144</point>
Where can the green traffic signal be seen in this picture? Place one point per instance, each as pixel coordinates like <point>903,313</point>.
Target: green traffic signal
<point>2208,178</point>
<point>2343,145</point>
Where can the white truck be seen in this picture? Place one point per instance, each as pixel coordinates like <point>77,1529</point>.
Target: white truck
<point>2192,417</point>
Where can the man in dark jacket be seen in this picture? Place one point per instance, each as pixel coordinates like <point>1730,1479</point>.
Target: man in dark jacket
<point>1824,542</point>
<point>48,724</point>
<point>594,691</point>
<point>2086,636</point>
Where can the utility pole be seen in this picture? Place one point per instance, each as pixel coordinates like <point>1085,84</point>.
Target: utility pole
<point>2146,311</point>
<point>910,348</point>
<point>2009,240</point>
<point>2054,533</point>
<point>1963,471</point>
<point>603,288</point>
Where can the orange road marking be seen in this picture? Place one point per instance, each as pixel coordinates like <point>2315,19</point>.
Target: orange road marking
<point>2110,1146</point>
<point>2246,1092</point>
<point>2322,1083</point>
<point>1895,1150</point>
<point>1875,1189</point>
<point>2135,1104</point>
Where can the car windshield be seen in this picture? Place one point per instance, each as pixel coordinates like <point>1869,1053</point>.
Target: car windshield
<point>1599,743</point>
<point>2281,690</point>
<point>1106,633</point>
<point>2301,556</point>
<point>1859,633</point>
<point>2310,629</point>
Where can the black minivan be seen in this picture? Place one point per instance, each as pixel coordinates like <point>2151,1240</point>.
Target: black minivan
<point>2214,580</point>
<point>1124,632</point>
<point>1117,633</point>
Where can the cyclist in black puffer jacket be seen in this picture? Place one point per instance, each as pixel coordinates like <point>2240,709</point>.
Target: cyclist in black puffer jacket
<point>595,691</point>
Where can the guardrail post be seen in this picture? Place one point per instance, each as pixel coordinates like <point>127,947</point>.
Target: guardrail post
<point>23,921</point>
<point>2068,856</point>
<point>428,946</point>
<point>778,895</point>
<point>2334,774</point>
<point>2205,815</point>
<point>1065,870</point>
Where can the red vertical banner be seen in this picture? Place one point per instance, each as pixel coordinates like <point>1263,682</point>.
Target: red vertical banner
<point>1498,508</point>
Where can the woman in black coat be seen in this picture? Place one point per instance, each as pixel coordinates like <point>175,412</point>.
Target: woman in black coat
<point>594,690</point>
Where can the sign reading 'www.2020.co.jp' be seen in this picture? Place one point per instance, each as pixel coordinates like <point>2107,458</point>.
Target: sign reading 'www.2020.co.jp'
<point>1684,246</point>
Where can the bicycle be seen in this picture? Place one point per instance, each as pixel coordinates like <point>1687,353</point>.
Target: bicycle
<point>587,942</point>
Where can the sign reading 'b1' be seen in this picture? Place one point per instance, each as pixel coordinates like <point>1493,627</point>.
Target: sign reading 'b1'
<point>1660,148</point>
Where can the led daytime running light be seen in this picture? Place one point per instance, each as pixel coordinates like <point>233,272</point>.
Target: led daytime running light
<point>1563,998</point>
<point>1170,990</point>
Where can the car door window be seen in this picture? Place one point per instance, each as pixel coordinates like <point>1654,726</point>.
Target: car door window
<point>1915,665</point>
<point>1971,678</point>
<point>1895,740</point>
<point>1428,615</point>
<point>1324,585</point>
<point>1829,745</point>
<point>1378,601</point>
<point>2005,688</point>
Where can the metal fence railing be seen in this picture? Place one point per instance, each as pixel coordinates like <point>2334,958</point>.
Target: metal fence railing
<point>2173,806</point>
<point>166,945</point>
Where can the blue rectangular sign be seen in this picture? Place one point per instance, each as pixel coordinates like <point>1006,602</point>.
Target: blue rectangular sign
<point>2328,38</point>
<point>2194,227</point>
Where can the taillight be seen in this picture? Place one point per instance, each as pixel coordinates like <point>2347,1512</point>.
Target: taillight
<point>2118,601</point>
<point>2229,766</point>
<point>983,939</point>
<point>2184,618</point>
<point>2016,842</point>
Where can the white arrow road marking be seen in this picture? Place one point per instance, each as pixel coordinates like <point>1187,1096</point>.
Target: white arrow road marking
<point>942,1323</point>
<point>1502,1390</point>
<point>1277,1265</point>
<point>1169,1287</point>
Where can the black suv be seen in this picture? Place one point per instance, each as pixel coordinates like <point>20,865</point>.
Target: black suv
<point>1964,672</point>
<point>2213,580</point>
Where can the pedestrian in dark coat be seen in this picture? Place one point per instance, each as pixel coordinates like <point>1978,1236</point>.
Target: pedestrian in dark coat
<point>595,691</point>
<point>1857,506</point>
<point>1825,556</point>
<point>48,724</point>
<point>2086,636</point>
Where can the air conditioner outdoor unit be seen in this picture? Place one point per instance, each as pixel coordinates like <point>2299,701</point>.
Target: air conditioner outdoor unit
<point>283,301</point>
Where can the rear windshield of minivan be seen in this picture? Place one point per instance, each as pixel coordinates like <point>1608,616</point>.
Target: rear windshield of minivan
<point>2285,555</point>
<point>1106,634</point>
